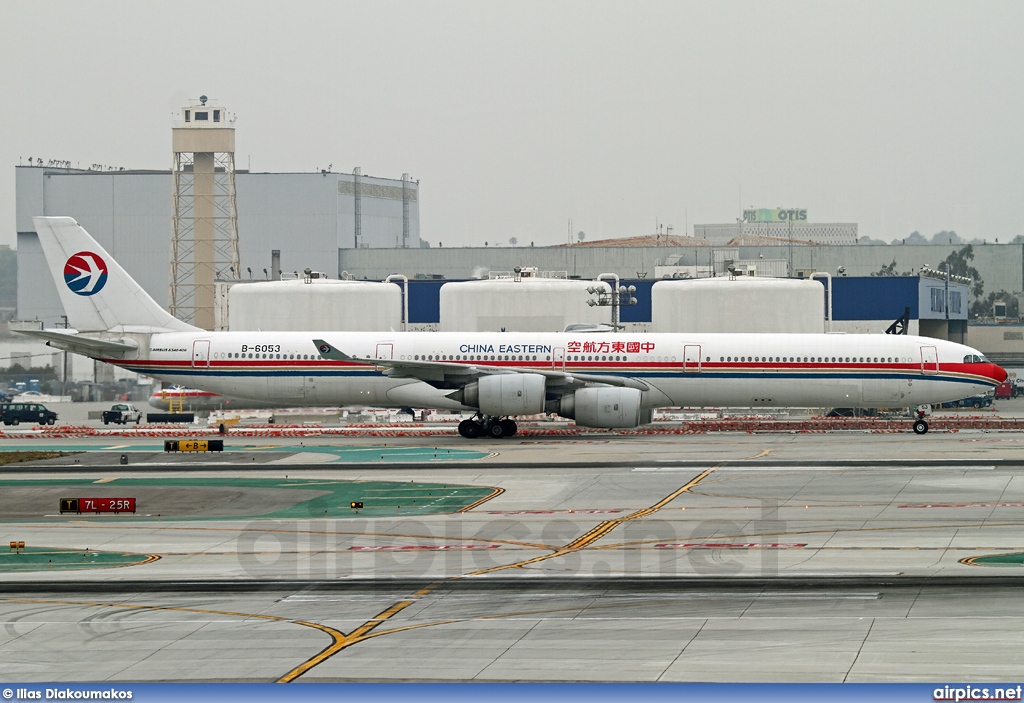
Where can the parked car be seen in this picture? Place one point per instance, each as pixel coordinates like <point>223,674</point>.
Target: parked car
<point>16,413</point>
<point>122,413</point>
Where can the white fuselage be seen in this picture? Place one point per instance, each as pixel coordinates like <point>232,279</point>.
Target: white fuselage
<point>741,370</point>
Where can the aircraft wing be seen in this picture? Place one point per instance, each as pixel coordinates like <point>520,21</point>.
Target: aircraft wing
<point>456,374</point>
<point>71,341</point>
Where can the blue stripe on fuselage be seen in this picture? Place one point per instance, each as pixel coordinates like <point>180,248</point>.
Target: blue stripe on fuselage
<point>745,375</point>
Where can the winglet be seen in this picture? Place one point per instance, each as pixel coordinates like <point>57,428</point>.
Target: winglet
<point>328,352</point>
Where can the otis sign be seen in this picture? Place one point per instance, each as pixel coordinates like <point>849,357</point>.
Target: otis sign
<point>85,273</point>
<point>762,215</point>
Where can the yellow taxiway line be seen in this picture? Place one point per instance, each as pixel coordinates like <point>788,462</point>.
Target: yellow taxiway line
<point>600,530</point>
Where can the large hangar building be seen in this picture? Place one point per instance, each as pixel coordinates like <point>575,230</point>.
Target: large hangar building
<point>308,216</point>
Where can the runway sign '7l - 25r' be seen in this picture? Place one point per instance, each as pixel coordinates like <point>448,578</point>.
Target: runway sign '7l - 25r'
<point>97,505</point>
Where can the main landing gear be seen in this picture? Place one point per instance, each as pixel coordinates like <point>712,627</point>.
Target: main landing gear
<point>492,427</point>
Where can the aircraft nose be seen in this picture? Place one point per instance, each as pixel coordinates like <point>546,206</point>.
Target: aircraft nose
<point>997,373</point>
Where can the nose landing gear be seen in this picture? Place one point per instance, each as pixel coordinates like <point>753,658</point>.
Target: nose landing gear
<point>492,427</point>
<point>920,426</point>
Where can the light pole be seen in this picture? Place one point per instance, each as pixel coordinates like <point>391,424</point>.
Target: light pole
<point>64,370</point>
<point>618,296</point>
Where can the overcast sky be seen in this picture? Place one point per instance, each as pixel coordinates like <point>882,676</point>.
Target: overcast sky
<point>517,116</point>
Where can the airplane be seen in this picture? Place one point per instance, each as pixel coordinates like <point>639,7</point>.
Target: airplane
<point>193,399</point>
<point>599,380</point>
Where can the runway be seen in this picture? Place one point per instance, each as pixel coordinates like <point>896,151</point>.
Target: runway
<point>738,558</point>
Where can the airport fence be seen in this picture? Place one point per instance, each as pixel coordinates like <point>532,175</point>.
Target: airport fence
<point>807,425</point>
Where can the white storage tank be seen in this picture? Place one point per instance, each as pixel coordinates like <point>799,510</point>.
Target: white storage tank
<point>520,303</point>
<point>738,304</point>
<point>315,304</point>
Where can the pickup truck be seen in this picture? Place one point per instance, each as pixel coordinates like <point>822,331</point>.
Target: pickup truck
<point>122,413</point>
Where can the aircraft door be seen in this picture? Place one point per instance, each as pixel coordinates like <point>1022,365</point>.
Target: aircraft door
<point>929,361</point>
<point>201,353</point>
<point>691,358</point>
<point>385,351</point>
<point>558,359</point>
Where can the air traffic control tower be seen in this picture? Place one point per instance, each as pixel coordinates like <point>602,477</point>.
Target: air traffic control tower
<point>204,238</point>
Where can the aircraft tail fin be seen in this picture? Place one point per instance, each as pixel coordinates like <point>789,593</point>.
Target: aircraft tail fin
<point>98,295</point>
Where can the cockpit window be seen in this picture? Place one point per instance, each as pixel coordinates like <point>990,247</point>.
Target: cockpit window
<point>975,359</point>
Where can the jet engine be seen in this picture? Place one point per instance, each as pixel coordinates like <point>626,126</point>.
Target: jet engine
<point>604,407</point>
<point>505,394</point>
